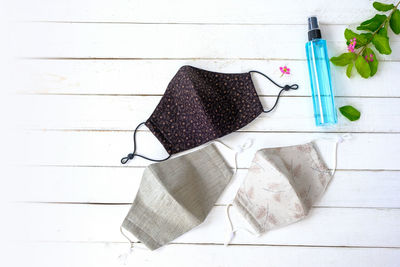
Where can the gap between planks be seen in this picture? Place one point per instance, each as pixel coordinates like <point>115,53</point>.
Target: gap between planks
<point>172,23</point>
<point>133,95</point>
<point>173,58</point>
<point>241,131</point>
<point>144,166</point>
<point>209,244</point>
<point>215,205</point>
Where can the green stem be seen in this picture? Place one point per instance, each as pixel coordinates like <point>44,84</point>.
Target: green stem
<point>377,30</point>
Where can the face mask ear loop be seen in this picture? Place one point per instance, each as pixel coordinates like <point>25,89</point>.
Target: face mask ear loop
<point>284,88</point>
<point>335,158</point>
<point>243,147</point>
<point>233,231</point>
<point>130,156</point>
<point>339,140</point>
<point>236,155</point>
<point>124,256</point>
<point>131,243</point>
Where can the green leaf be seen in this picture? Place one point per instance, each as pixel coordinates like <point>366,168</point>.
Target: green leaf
<point>349,69</point>
<point>381,42</point>
<point>350,112</point>
<point>373,65</point>
<point>362,67</point>
<point>349,34</point>
<point>366,37</point>
<point>343,59</point>
<point>361,39</point>
<point>395,22</point>
<point>372,24</point>
<point>382,7</point>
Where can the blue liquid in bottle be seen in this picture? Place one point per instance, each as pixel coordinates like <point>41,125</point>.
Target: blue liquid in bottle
<point>320,76</point>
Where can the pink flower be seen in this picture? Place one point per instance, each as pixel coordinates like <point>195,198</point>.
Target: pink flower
<point>369,57</point>
<point>352,45</point>
<point>284,70</point>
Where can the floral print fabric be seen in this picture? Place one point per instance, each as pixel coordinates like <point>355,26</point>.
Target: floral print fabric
<point>199,106</point>
<point>281,186</point>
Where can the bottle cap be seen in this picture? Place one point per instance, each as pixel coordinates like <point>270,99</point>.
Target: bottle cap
<point>313,29</point>
<point>312,23</point>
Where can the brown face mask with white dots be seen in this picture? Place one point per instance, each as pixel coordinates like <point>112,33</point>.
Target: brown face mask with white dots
<point>200,106</point>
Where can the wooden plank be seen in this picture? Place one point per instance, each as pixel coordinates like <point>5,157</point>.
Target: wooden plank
<point>208,11</point>
<point>119,185</point>
<point>91,40</point>
<point>105,148</point>
<point>125,112</point>
<point>112,254</point>
<point>150,77</point>
<point>323,226</point>
<point>88,224</point>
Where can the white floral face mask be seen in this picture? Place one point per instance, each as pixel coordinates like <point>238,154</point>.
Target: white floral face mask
<point>281,186</point>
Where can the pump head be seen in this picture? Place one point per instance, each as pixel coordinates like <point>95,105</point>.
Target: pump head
<point>313,29</point>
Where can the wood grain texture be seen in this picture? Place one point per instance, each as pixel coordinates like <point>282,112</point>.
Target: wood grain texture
<point>208,11</point>
<point>125,112</point>
<point>106,148</point>
<point>169,41</point>
<point>119,185</point>
<point>100,223</point>
<point>151,77</point>
<point>114,254</point>
<point>97,68</point>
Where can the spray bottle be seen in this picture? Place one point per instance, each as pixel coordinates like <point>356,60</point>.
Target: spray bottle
<point>320,76</point>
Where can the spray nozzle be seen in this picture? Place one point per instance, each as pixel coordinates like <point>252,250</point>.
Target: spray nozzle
<point>312,23</point>
<point>313,29</point>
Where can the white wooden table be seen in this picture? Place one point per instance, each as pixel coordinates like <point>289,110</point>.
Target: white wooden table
<point>94,69</point>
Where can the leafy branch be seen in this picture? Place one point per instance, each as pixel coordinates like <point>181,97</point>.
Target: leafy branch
<point>375,31</point>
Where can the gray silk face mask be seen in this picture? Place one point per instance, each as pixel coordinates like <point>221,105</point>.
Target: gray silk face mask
<point>176,195</point>
<point>281,186</point>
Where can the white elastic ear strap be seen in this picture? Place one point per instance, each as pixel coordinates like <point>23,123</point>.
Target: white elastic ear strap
<point>236,155</point>
<point>243,147</point>
<point>340,139</point>
<point>232,232</point>
<point>129,240</point>
<point>132,244</point>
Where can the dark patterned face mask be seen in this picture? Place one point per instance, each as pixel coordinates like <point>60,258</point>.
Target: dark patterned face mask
<point>200,106</point>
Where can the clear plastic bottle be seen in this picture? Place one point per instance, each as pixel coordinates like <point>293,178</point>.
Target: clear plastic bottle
<point>320,76</point>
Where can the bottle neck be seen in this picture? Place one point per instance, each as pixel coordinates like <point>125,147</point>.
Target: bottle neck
<point>314,34</point>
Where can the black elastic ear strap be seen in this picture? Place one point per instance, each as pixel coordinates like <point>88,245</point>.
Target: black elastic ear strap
<point>134,154</point>
<point>284,88</point>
